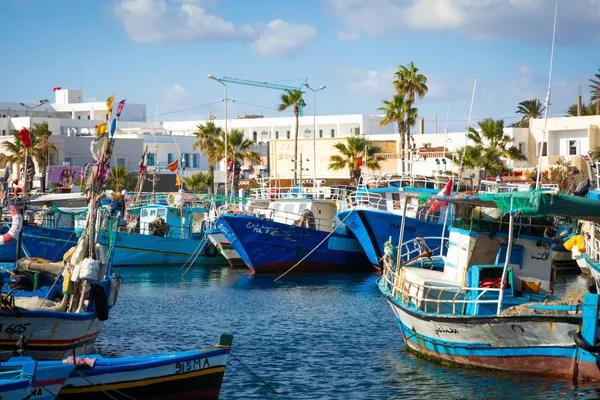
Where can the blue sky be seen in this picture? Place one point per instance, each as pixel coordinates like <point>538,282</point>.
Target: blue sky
<point>162,50</point>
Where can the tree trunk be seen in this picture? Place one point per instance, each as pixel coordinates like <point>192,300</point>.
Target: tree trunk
<point>296,112</point>
<point>401,132</point>
<point>211,171</point>
<point>354,176</point>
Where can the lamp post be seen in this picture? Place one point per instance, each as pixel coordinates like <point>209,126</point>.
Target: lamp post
<point>314,134</point>
<point>225,102</point>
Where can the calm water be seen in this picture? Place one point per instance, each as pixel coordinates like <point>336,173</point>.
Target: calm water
<point>310,337</point>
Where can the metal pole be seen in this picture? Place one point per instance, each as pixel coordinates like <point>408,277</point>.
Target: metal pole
<point>314,143</point>
<point>226,134</point>
<point>541,152</point>
<point>507,261</point>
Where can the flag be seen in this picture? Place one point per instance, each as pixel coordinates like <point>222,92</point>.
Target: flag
<point>177,179</point>
<point>359,162</point>
<point>173,166</point>
<point>436,204</point>
<point>113,127</point>
<point>25,137</point>
<point>56,88</point>
<point>100,129</point>
<point>109,102</point>
<point>120,108</point>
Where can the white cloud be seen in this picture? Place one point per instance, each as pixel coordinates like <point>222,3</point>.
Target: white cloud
<point>164,21</point>
<point>527,21</point>
<point>280,37</point>
<point>371,83</point>
<point>175,93</point>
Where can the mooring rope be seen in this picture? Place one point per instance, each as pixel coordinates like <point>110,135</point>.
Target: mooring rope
<point>100,385</point>
<point>316,247</point>
<point>253,373</point>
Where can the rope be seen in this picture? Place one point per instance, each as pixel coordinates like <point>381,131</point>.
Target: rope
<point>316,247</point>
<point>252,372</point>
<point>54,395</point>
<point>100,385</point>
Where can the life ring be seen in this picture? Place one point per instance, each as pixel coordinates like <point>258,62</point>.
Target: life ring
<point>210,250</point>
<point>16,191</point>
<point>171,198</point>
<point>15,228</point>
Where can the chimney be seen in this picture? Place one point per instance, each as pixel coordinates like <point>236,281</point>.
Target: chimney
<point>421,125</point>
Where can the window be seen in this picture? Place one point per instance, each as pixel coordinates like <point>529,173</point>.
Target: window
<point>544,150</point>
<point>255,136</point>
<point>67,161</point>
<point>169,158</point>
<point>320,133</point>
<point>150,159</point>
<point>195,160</point>
<point>276,134</point>
<point>333,133</point>
<point>186,158</point>
<point>88,117</point>
<point>3,132</point>
<point>79,117</point>
<point>521,148</point>
<point>573,147</point>
<point>120,162</point>
<point>288,134</point>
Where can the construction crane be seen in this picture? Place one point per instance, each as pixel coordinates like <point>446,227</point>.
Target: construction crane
<point>266,85</point>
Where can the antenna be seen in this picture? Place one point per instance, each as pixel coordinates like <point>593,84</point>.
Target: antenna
<point>462,160</point>
<point>154,177</point>
<point>446,129</point>
<point>539,171</point>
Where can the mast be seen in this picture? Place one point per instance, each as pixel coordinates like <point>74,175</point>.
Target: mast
<point>154,177</point>
<point>547,104</point>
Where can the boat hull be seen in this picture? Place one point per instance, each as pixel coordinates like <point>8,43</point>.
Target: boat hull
<point>222,244</point>
<point>133,249</point>
<point>48,243</point>
<point>373,228</point>
<point>186,375</point>
<point>271,247</point>
<point>51,335</point>
<point>528,344</point>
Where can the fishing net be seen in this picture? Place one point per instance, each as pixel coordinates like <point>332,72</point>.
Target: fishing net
<point>532,203</point>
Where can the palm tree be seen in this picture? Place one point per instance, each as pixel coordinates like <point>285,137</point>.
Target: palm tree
<point>409,81</point>
<point>38,150</point>
<point>207,136</point>
<point>595,91</point>
<point>238,149</point>
<point>120,178</point>
<point>199,181</point>
<point>491,147</point>
<point>400,111</point>
<point>355,148</point>
<point>530,109</point>
<point>590,109</point>
<point>293,98</point>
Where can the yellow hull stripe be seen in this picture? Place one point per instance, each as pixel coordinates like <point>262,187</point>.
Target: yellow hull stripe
<point>127,385</point>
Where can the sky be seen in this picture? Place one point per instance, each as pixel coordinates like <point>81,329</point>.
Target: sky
<point>159,53</point>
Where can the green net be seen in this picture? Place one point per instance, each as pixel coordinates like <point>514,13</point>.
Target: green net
<point>531,203</point>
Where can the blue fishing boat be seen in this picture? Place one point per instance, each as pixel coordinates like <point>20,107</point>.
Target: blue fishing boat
<point>162,234</point>
<point>195,374</point>
<point>30,379</point>
<point>293,232</point>
<point>491,306</point>
<point>375,211</point>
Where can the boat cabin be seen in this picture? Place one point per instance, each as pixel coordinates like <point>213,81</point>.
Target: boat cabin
<point>168,221</point>
<point>314,214</point>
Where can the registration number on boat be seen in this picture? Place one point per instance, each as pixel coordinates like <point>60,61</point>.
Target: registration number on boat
<point>14,328</point>
<point>189,366</point>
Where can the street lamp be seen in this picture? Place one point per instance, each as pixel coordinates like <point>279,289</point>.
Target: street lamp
<point>29,111</point>
<point>225,102</point>
<point>314,134</point>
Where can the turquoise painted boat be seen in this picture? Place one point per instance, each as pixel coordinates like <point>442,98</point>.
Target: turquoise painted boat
<point>491,305</point>
<point>160,235</point>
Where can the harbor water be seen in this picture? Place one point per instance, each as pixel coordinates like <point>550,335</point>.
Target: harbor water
<point>308,336</point>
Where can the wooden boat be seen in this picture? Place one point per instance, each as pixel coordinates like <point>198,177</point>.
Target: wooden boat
<point>195,374</point>
<point>491,305</point>
<point>24,378</point>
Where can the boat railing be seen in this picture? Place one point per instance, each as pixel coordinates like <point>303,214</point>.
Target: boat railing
<point>592,245</point>
<point>440,299</point>
<point>305,192</point>
<point>420,245</point>
<point>496,187</point>
<point>375,201</point>
<point>288,217</point>
<point>372,181</point>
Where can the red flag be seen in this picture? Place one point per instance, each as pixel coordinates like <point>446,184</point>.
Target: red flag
<point>25,137</point>
<point>120,108</point>
<point>56,88</point>
<point>359,162</point>
<point>173,166</point>
<point>436,204</point>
